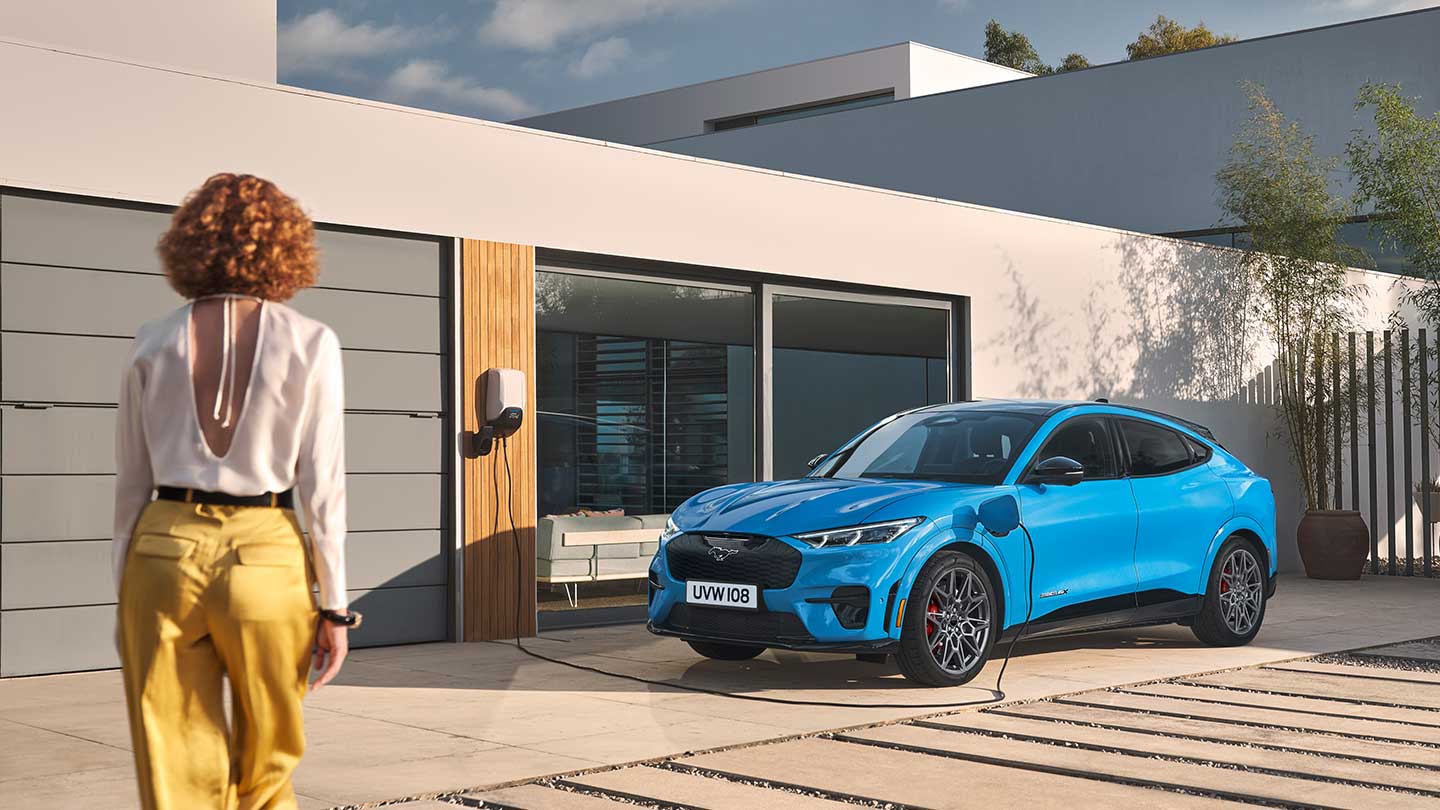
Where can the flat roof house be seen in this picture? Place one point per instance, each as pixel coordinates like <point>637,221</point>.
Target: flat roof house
<point>681,321</point>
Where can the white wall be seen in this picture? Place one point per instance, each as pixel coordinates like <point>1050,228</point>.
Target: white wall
<point>1133,145</point>
<point>908,68</point>
<point>1059,309</point>
<point>220,37</point>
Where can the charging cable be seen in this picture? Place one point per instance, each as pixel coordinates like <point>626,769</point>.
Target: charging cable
<point>999,694</point>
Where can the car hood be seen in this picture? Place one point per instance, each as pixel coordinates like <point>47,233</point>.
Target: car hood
<point>787,507</point>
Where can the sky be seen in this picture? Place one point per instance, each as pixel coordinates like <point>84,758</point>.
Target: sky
<point>508,59</point>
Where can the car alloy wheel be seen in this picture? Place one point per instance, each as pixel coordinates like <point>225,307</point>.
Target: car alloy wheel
<point>1242,591</point>
<point>957,620</point>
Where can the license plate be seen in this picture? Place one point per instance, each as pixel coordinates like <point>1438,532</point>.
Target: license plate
<point>722,594</point>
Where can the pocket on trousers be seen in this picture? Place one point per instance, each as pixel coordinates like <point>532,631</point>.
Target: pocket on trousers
<point>164,546</point>
<point>268,582</point>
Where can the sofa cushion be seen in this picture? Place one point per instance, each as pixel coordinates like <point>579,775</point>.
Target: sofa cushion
<point>617,551</point>
<point>637,567</point>
<point>550,532</point>
<point>547,569</point>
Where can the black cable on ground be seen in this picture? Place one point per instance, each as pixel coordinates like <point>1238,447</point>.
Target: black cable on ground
<point>999,694</point>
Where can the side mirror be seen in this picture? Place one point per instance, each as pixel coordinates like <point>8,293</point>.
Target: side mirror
<point>999,516</point>
<point>1058,470</point>
<point>815,462</point>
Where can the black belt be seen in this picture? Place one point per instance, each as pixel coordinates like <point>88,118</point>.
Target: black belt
<point>284,499</point>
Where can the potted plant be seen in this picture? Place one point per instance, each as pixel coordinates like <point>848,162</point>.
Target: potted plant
<point>1280,194</point>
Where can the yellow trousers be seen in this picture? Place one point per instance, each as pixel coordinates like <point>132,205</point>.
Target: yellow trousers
<point>210,593</point>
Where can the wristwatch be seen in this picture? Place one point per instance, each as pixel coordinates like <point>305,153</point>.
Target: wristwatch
<point>349,619</point>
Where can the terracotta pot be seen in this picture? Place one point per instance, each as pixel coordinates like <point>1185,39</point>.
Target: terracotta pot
<point>1333,543</point>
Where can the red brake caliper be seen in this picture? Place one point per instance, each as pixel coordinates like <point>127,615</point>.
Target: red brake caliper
<point>1224,585</point>
<point>931,609</point>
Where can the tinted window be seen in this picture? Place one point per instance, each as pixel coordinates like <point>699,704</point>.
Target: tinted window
<point>966,447</point>
<point>1198,449</point>
<point>1154,450</point>
<point>1086,440</point>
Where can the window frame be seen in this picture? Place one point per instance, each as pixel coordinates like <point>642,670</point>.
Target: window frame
<point>1185,439</point>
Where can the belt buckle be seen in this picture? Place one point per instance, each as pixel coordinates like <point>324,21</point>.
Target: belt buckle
<point>189,495</point>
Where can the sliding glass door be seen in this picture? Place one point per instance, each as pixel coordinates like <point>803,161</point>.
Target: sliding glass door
<point>653,389</point>
<point>840,362</point>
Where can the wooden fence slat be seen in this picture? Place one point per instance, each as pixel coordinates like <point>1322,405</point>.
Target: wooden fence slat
<point>1335,404</point>
<point>1370,450</point>
<point>1354,430</point>
<point>1424,351</point>
<point>1390,448</point>
<point>1408,478</point>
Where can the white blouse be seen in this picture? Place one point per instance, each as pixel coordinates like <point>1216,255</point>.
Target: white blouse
<point>291,431</point>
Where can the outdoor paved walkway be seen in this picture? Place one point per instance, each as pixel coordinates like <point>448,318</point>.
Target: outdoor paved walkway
<point>445,718</point>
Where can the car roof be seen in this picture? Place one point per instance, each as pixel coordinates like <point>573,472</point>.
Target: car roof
<point>1048,407</point>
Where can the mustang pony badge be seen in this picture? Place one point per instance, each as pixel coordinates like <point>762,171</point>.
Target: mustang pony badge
<point>722,554</point>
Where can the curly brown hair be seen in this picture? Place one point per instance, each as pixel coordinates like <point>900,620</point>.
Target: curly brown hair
<point>238,233</point>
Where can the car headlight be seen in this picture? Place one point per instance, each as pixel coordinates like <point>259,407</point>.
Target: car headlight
<point>855,535</point>
<point>671,530</point>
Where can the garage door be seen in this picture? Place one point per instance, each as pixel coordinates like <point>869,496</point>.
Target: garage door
<point>76,280</point>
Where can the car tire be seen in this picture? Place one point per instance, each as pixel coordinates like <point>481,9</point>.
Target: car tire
<point>952,628</point>
<point>1227,620</point>
<point>725,652</point>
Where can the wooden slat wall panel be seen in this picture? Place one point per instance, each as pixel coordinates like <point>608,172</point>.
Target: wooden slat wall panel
<point>498,309</point>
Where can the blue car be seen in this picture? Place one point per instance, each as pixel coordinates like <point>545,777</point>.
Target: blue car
<point>938,531</point>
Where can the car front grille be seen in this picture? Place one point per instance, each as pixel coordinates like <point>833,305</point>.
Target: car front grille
<point>745,625</point>
<point>762,561</point>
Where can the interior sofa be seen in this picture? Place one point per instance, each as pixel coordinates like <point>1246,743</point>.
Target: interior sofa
<point>573,549</point>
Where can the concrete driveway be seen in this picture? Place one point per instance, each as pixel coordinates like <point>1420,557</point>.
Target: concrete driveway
<point>410,722</point>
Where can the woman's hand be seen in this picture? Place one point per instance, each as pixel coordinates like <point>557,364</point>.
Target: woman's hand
<point>332,643</point>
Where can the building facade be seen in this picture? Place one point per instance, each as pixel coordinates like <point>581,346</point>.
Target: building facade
<point>671,339</point>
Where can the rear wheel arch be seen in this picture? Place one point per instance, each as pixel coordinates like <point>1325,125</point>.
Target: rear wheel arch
<point>1257,543</point>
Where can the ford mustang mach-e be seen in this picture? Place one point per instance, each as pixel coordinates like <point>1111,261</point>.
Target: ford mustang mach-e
<point>1108,516</point>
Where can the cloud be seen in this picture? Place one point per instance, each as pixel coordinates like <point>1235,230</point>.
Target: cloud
<point>600,58</point>
<point>538,25</point>
<point>322,41</point>
<point>426,80</point>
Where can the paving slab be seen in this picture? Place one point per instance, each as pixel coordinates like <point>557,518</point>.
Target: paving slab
<point>38,752</point>
<point>1322,686</point>
<point>1421,650</point>
<point>1234,697</point>
<point>1246,715</point>
<point>1319,744</point>
<point>1352,671</point>
<point>933,782</point>
<point>538,797</point>
<point>1113,766</point>
<point>1229,753</point>
<point>664,785</point>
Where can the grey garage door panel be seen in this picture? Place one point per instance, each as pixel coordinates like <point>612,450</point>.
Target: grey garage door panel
<point>399,616</point>
<point>96,302</point>
<point>79,234</point>
<point>67,368</point>
<point>380,263</point>
<point>57,440</point>
<point>392,443</point>
<point>44,232</point>
<point>393,501</point>
<point>34,642</point>
<point>61,368</point>
<point>394,559</point>
<point>80,302</point>
<point>365,320</point>
<point>81,507</point>
<point>56,507</point>
<point>389,381</point>
<point>40,575</point>
<point>46,575</point>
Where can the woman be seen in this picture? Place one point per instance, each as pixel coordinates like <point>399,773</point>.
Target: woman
<point>231,412</point>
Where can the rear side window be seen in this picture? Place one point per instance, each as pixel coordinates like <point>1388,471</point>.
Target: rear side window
<point>1198,449</point>
<point>1154,450</point>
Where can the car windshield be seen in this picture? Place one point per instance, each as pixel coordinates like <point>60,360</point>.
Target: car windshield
<point>969,447</point>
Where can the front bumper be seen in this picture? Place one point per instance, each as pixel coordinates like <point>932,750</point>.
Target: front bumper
<point>820,608</point>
